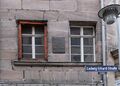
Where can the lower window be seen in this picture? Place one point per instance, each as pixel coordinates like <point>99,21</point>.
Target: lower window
<point>32,40</point>
<point>82,43</point>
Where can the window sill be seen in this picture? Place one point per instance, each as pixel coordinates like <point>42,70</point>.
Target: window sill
<point>53,64</point>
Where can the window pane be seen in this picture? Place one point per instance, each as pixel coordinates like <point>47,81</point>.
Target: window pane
<point>27,49</point>
<point>39,29</point>
<point>39,41</point>
<point>88,41</point>
<point>88,50</point>
<point>75,50</point>
<point>75,41</point>
<point>88,31</point>
<point>39,49</point>
<point>88,58</point>
<point>39,56</point>
<point>26,29</point>
<point>75,30</point>
<point>27,56</point>
<point>75,58</point>
<point>27,40</point>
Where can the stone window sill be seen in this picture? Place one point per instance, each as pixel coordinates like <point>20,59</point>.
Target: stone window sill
<point>53,64</point>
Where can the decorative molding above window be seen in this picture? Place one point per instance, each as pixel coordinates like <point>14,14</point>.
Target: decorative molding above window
<point>115,53</point>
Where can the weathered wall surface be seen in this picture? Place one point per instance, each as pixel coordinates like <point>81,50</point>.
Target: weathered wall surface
<point>58,13</point>
<point>111,42</point>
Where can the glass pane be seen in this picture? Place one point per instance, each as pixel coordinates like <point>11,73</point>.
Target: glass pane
<point>27,40</point>
<point>27,49</point>
<point>88,50</point>
<point>26,29</point>
<point>75,50</point>
<point>39,56</point>
<point>39,29</point>
<point>88,58</point>
<point>39,41</point>
<point>75,30</point>
<point>88,41</point>
<point>27,56</point>
<point>88,31</point>
<point>75,58</point>
<point>39,49</point>
<point>75,41</point>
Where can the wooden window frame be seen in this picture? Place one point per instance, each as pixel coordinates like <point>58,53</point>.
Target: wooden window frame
<point>81,41</point>
<point>20,37</point>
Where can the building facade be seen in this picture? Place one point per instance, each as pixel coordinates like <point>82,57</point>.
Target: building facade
<point>49,42</point>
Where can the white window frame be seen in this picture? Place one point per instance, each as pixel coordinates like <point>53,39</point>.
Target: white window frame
<point>81,47</point>
<point>33,42</point>
<point>33,35</point>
